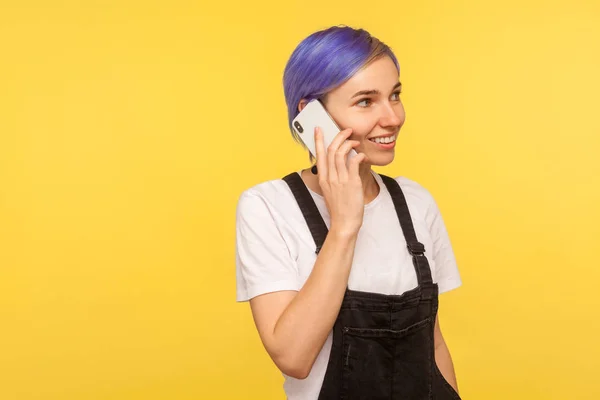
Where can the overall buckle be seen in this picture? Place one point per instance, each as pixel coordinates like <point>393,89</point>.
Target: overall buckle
<point>416,248</point>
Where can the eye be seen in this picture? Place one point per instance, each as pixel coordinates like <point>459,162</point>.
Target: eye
<point>397,95</point>
<point>363,101</point>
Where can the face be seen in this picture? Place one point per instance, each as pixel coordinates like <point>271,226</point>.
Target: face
<point>370,104</point>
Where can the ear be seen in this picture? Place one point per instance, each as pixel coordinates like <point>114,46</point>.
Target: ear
<point>302,104</point>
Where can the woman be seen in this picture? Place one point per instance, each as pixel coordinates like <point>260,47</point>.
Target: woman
<point>343,266</point>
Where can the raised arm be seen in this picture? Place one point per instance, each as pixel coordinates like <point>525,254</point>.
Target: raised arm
<point>293,325</point>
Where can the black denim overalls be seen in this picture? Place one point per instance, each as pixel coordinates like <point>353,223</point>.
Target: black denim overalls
<point>382,344</point>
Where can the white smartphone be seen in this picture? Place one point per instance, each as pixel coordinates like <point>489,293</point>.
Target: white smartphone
<point>311,116</point>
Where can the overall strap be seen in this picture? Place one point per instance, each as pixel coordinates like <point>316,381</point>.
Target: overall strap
<point>415,248</point>
<point>309,209</point>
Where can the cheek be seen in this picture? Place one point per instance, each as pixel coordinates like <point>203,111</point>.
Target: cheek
<point>401,113</point>
<point>361,126</point>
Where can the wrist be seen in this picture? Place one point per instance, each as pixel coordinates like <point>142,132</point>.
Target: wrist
<point>343,232</point>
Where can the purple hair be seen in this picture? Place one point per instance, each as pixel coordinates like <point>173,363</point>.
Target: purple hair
<point>325,60</point>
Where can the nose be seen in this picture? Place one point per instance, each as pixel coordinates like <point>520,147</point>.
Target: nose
<point>392,115</point>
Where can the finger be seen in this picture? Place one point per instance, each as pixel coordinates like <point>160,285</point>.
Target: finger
<point>331,151</point>
<point>321,154</point>
<point>353,165</point>
<point>340,138</point>
<point>341,159</point>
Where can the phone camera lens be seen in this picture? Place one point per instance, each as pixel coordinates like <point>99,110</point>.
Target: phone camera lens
<point>298,127</point>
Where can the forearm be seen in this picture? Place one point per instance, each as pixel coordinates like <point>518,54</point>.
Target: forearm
<point>303,327</point>
<point>445,365</point>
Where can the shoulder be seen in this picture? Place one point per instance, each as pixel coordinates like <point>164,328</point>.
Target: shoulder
<point>414,192</point>
<point>419,199</point>
<point>269,195</point>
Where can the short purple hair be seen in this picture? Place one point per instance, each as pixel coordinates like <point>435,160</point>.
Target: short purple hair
<point>325,60</point>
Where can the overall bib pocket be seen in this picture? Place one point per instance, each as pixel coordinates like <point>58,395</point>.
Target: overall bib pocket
<point>387,364</point>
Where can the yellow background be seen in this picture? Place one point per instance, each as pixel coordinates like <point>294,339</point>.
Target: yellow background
<point>128,129</point>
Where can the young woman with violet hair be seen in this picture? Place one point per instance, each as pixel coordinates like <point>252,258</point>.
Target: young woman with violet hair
<point>343,266</point>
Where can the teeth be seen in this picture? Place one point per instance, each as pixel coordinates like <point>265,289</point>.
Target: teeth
<point>384,140</point>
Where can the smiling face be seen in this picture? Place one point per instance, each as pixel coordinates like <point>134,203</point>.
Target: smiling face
<point>370,104</point>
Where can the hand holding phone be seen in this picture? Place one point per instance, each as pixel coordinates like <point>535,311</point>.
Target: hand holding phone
<point>338,168</point>
<point>340,182</point>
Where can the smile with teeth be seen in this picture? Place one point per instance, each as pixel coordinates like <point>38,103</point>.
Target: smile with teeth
<point>384,140</point>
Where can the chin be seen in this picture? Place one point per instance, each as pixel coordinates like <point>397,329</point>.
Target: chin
<point>381,160</point>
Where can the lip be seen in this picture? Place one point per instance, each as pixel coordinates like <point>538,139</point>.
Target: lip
<point>384,146</point>
<point>382,136</point>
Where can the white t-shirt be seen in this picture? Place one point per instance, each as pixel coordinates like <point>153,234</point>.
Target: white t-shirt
<point>275,251</point>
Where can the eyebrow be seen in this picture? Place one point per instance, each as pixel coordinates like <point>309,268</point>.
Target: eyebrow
<point>374,91</point>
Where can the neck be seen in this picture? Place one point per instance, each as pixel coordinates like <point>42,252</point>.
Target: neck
<point>370,186</point>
